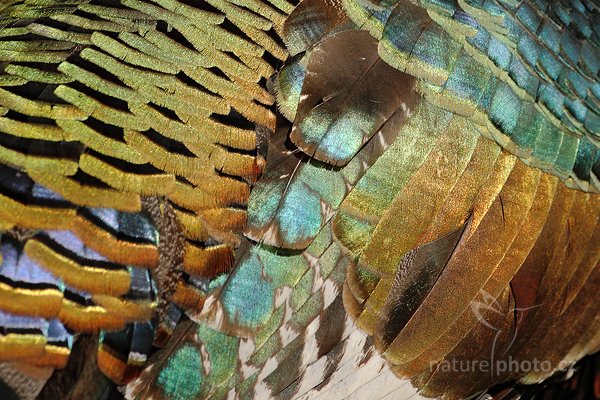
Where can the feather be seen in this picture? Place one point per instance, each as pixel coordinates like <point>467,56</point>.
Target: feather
<point>334,121</point>
<point>469,58</point>
<point>432,199</point>
<point>310,22</point>
<point>415,277</point>
<point>121,110</point>
<point>288,85</point>
<point>273,207</point>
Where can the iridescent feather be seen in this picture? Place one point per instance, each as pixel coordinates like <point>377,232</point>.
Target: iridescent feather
<point>433,197</point>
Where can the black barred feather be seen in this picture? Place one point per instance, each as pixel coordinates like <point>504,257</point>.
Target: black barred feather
<point>314,199</point>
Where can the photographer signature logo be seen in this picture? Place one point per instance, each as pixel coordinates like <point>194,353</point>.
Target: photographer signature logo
<point>488,308</point>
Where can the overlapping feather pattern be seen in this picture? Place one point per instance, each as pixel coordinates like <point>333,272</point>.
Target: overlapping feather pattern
<point>433,198</point>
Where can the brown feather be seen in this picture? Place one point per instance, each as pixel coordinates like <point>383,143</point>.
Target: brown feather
<point>349,93</point>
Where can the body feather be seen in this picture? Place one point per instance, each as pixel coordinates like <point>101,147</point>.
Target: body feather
<point>432,198</point>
